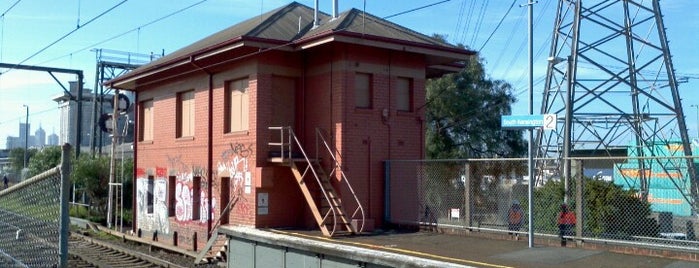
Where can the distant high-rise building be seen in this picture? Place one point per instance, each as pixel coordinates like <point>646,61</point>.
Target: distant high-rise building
<point>68,116</point>
<point>12,142</point>
<point>52,140</point>
<point>40,137</point>
<point>23,134</point>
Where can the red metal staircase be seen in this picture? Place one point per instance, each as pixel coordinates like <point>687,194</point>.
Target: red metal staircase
<point>321,195</point>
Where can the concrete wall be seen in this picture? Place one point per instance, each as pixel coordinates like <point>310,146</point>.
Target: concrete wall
<point>255,248</point>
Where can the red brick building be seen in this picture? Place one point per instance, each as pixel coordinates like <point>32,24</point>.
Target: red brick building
<point>204,115</point>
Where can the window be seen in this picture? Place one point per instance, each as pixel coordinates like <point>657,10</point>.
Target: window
<point>145,130</point>
<point>237,106</point>
<point>185,114</point>
<point>171,200</point>
<point>149,195</point>
<point>196,198</point>
<point>362,90</point>
<point>404,94</point>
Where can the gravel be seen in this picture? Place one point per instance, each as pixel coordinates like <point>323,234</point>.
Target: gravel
<point>163,254</point>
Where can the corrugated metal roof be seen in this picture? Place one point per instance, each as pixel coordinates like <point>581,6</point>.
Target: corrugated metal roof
<point>293,25</point>
<point>279,24</point>
<point>357,21</point>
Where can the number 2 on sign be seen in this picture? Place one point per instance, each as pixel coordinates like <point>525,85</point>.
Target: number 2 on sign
<point>550,121</point>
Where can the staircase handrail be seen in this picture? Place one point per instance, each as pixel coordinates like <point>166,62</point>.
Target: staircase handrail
<point>291,136</point>
<point>338,166</point>
<point>213,233</point>
<point>225,210</point>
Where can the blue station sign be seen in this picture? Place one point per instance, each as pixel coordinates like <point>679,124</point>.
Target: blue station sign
<point>545,121</point>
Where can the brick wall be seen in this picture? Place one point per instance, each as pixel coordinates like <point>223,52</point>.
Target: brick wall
<point>323,98</point>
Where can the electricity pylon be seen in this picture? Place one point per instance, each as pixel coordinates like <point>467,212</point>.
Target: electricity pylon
<point>611,83</point>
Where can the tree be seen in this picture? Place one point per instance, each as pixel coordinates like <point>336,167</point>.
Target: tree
<point>17,160</point>
<point>92,175</point>
<point>43,160</point>
<point>463,116</point>
<point>610,211</point>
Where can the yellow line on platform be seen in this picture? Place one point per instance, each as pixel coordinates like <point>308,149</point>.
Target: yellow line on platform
<point>404,251</point>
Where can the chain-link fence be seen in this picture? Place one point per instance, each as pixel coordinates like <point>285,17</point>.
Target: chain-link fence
<point>639,201</point>
<point>33,224</point>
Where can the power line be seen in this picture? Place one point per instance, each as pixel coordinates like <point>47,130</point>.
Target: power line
<point>10,8</point>
<point>481,14</point>
<point>468,22</point>
<point>129,31</point>
<point>73,31</point>
<point>416,9</point>
<point>459,20</point>
<point>498,26</point>
<point>31,114</point>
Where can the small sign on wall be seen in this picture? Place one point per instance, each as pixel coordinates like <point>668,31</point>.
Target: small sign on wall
<point>262,203</point>
<point>248,183</point>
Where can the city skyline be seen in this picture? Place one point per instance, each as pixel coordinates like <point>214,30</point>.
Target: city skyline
<point>38,140</point>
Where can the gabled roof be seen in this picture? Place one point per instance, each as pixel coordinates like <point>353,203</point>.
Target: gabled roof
<point>291,28</point>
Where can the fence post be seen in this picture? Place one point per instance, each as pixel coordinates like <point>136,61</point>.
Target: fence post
<point>467,195</point>
<point>64,221</point>
<point>576,171</point>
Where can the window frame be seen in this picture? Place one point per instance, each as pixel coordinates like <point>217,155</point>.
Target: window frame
<point>237,97</point>
<point>145,129</point>
<point>400,92</point>
<point>186,114</point>
<point>363,96</point>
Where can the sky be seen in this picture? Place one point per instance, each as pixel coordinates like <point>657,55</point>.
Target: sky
<point>65,34</point>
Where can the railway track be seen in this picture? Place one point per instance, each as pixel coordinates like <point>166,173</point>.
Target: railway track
<point>89,252</point>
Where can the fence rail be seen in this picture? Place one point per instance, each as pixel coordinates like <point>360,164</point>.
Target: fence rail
<point>611,202</point>
<point>33,222</point>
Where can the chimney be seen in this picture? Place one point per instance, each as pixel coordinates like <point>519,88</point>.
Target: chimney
<point>334,9</point>
<point>315,15</point>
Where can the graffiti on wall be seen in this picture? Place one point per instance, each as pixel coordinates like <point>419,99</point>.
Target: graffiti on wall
<point>152,200</point>
<point>234,161</point>
<point>152,218</point>
<point>184,191</point>
<point>184,201</point>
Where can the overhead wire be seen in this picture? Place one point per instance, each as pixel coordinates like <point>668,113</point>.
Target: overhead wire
<point>459,20</point>
<point>540,50</point>
<point>10,8</point>
<point>469,17</point>
<point>416,9</point>
<point>71,32</point>
<point>498,25</point>
<point>31,114</point>
<point>479,21</point>
<point>510,37</point>
<point>130,31</point>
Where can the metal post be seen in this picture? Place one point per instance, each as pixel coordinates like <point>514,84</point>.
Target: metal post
<point>530,160</point>
<point>112,161</point>
<point>697,107</point>
<point>567,131</point>
<point>468,207</point>
<point>579,199</point>
<point>64,217</point>
<point>26,140</point>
